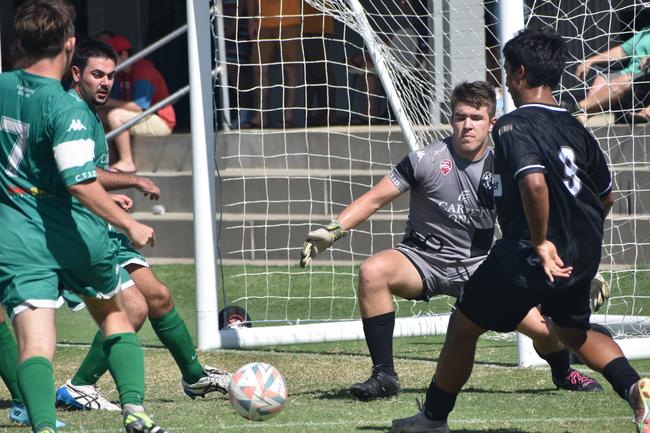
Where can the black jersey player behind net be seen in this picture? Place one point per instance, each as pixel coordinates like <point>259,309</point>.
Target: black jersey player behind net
<point>552,191</point>
<point>448,234</point>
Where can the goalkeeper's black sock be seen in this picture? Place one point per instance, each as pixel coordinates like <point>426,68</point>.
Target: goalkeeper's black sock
<point>379,338</point>
<point>439,403</point>
<point>560,362</point>
<point>621,375</point>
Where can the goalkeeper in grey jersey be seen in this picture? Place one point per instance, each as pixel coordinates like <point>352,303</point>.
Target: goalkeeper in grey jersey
<point>448,234</point>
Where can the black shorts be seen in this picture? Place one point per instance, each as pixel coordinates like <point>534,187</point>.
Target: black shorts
<point>495,304</point>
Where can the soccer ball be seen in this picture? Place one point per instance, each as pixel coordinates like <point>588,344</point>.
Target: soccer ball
<point>257,391</point>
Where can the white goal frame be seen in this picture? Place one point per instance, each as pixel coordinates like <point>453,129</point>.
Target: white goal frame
<point>201,85</point>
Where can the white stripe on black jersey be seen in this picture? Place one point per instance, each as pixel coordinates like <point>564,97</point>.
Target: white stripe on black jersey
<point>543,139</point>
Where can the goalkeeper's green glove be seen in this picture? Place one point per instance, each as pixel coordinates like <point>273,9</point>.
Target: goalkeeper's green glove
<point>599,292</point>
<point>319,240</point>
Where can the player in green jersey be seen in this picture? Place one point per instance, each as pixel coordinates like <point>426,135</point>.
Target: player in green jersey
<point>92,73</point>
<point>55,214</point>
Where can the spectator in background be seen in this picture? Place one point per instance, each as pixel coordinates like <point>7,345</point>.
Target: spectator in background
<point>609,87</point>
<point>274,24</point>
<point>319,73</point>
<point>137,87</point>
<point>365,68</point>
<point>238,54</point>
<point>403,41</point>
<point>105,35</point>
<point>641,115</point>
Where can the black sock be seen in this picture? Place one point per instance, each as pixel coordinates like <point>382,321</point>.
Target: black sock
<point>560,362</point>
<point>379,338</point>
<point>439,403</point>
<point>621,375</point>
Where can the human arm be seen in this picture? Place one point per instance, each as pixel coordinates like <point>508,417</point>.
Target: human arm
<point>123,201</point>
<point>74,152</point>
<point>354,214</point>
<point>644,63</point>
<point>616,53</point>
<point>362,208</point>
<point>112,181</point>
<point>93,196</point>
<point>534,197</point>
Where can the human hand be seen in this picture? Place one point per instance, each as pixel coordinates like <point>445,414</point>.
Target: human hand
<point>644,63</point>
<point>319,240</point>
<point>123,201</point>
<point>599,292</point>
<point>149,188</point>
<point>140,235</point>
<point>582,69</point>
<point>551,261</point>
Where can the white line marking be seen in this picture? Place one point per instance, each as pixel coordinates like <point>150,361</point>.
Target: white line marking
<point>455,423</point>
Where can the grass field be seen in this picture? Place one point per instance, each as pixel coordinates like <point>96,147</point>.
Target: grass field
<point>499,398</point>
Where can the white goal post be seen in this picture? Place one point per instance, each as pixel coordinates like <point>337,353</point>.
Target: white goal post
<point>275,183</point>
<point>198,40</point>
<point>590,28</point>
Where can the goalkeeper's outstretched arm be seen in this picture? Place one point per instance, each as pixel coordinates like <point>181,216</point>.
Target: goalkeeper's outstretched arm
<point>362,208</point>
<point>357,212</point>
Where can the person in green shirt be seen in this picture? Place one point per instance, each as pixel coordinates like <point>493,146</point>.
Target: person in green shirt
<point>92,76</point>
<point>609,88</point>
<point>55,215</point>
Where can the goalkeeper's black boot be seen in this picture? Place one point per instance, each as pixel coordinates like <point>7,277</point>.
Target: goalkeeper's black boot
<point>576,381</point>
<point>379,385</point>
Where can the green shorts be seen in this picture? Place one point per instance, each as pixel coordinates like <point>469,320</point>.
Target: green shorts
<point>23,286</point>
<point>126,255</point>
<point>76,303</point>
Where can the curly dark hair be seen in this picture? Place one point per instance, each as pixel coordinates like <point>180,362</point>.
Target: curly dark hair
<point>543,54</point>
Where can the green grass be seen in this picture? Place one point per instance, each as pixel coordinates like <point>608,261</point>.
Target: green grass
<point>317,294</point>
<point>630,291</point>
<point>499,398</point>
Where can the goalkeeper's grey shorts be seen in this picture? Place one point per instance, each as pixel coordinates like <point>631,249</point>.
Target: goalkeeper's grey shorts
<point>437,279</point>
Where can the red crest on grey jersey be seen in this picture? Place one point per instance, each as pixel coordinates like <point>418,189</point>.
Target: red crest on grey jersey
<point>445,166</point>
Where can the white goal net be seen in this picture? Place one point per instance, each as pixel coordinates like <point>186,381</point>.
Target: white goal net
<point>324,96</point>
<point>611,35</point>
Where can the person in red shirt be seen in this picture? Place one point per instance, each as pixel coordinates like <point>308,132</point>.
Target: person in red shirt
<point>137,87</point>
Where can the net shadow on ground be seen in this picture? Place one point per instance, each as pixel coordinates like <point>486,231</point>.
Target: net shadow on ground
<point>343,393</point>
<point>433,359</point>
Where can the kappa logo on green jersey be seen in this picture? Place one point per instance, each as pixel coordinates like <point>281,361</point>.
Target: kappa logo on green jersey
<point>76,125</point>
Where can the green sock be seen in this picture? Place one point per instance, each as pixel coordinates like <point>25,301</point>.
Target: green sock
<point>173,333</point>
<point>9,362</point>
<point>36,381</point>
<point>94,364</point>
<point>126,362</point>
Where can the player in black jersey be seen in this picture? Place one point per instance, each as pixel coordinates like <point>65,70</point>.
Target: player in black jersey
<point>552,192</point>
<point>448,234</point>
